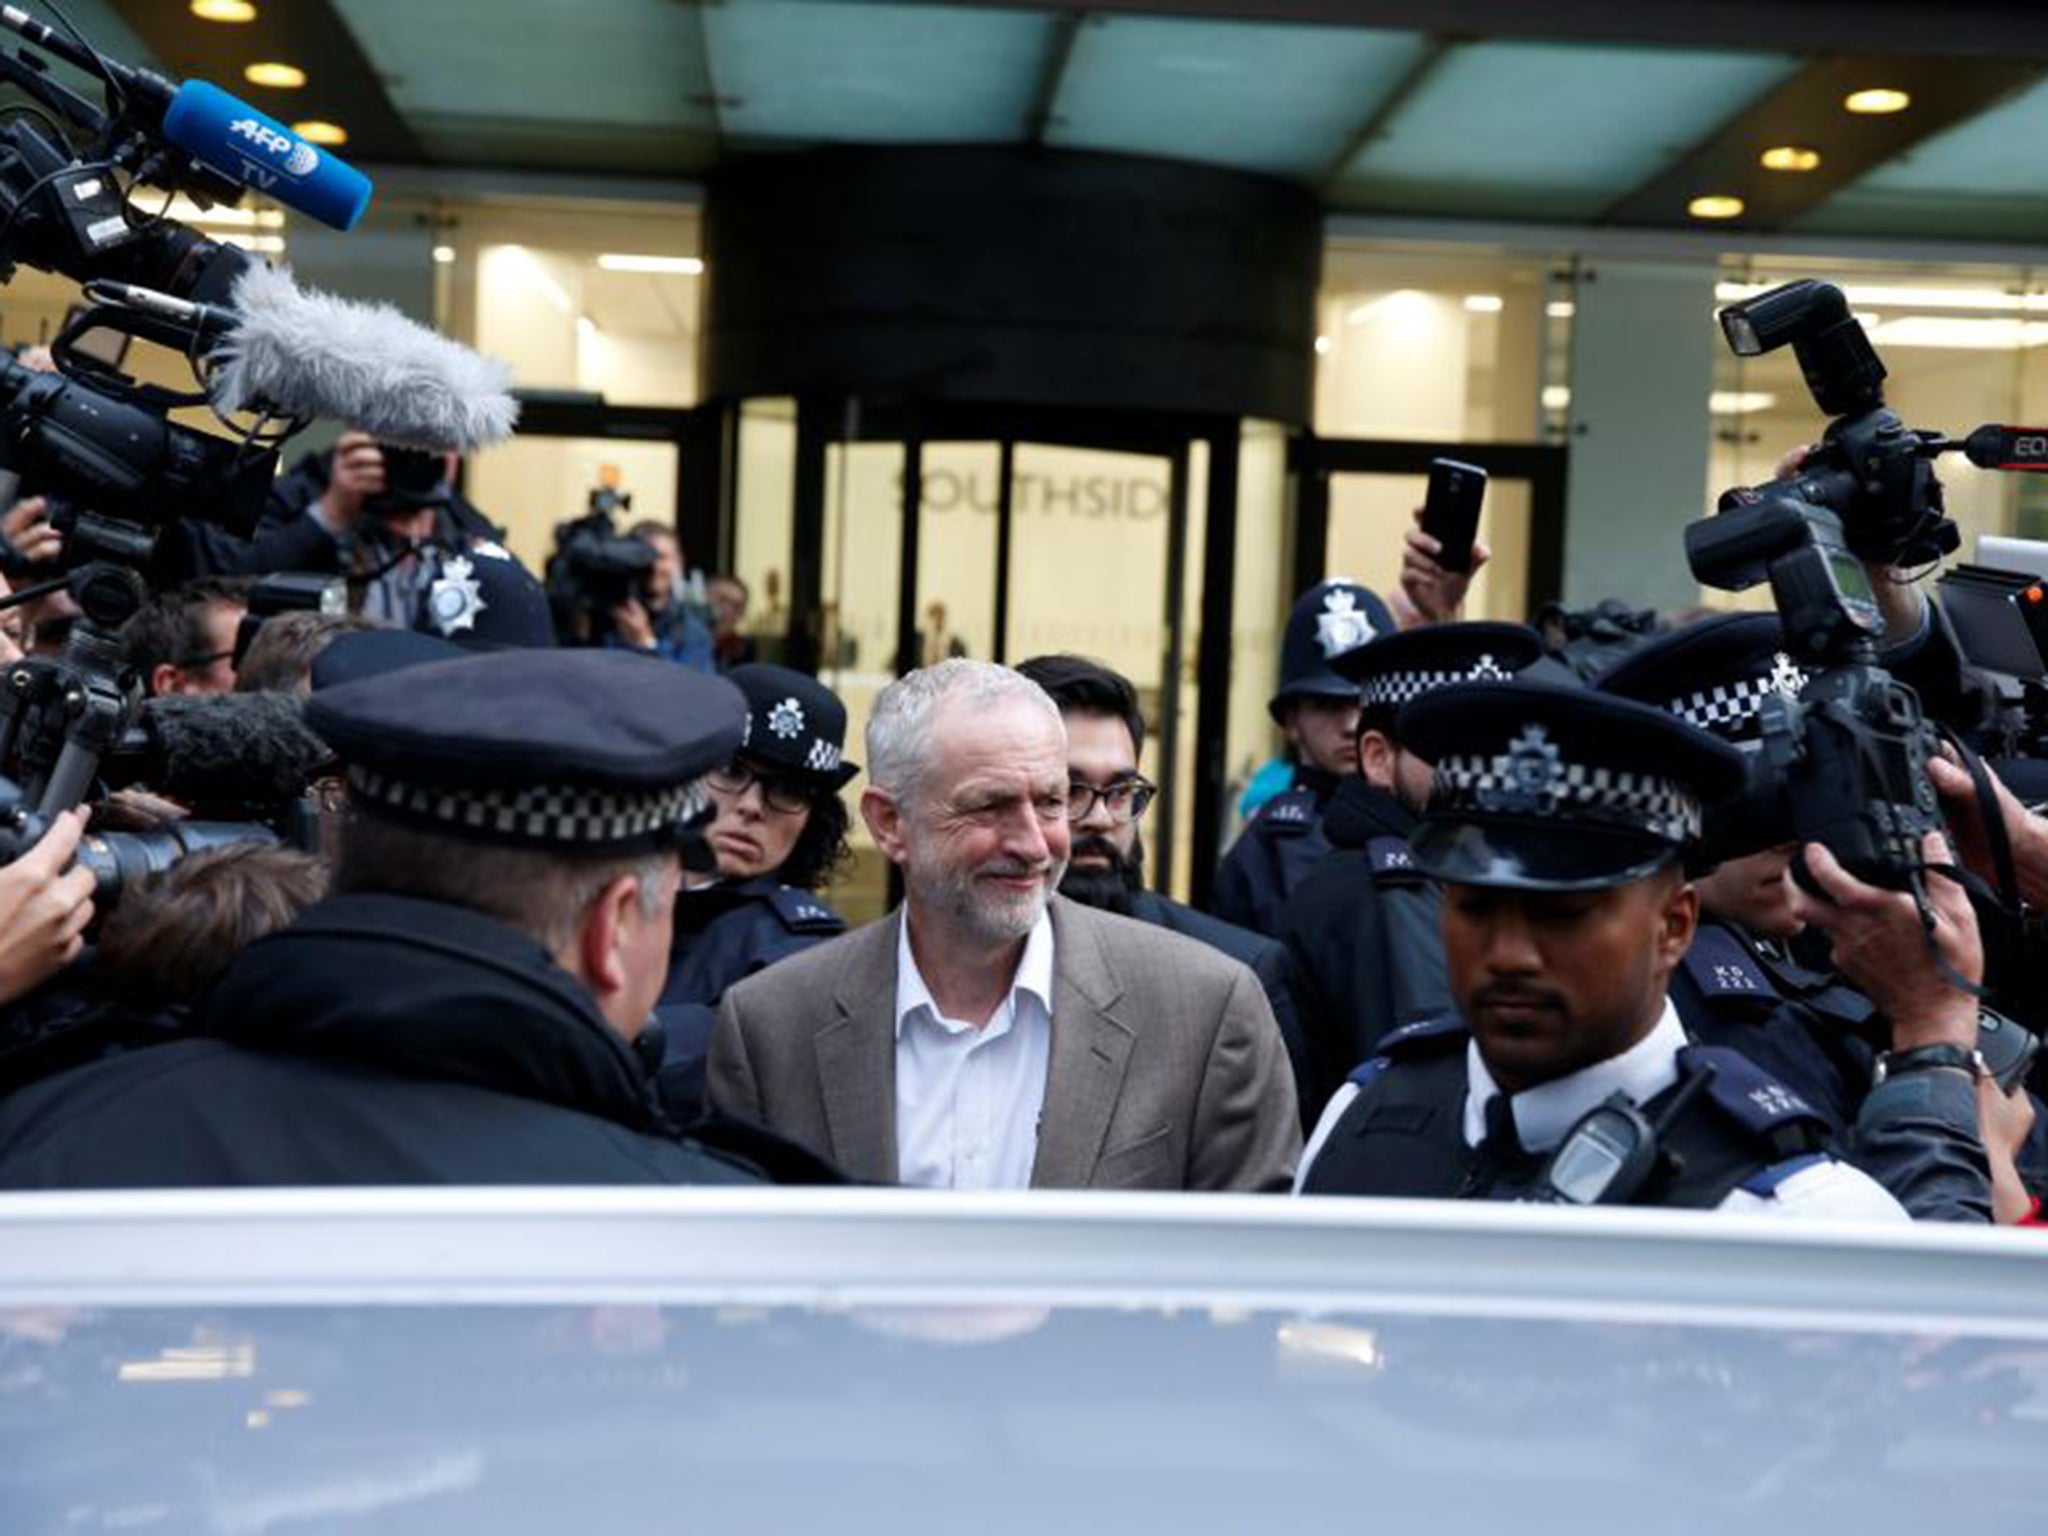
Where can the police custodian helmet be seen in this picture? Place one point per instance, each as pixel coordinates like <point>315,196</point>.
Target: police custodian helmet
<point>1329,619</point>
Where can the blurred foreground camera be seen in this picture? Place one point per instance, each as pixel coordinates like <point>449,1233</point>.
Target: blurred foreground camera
<point>118,859</point>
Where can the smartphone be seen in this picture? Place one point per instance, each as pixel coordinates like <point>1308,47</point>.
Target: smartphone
<point>1450,513</point>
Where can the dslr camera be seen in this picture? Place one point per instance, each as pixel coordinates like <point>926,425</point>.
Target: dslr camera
<point>594,569</point>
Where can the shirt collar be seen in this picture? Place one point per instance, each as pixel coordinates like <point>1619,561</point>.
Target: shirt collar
<point>1544,1114</point>
<point>1033,976</point>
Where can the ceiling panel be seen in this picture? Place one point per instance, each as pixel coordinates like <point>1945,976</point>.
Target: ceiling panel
<point>1536,130</point>
<point>1282,99</point>
<point>809,72</point>
<point>1986,178</point>
<point>452,66</point>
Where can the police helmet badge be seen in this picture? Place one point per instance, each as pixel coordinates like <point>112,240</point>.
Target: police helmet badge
<point>1527,779</point>
<point>1341,626</point>
<point>1487,670</point>
<point>1786,676</point>
<point>786,720</point>
<point>455,598</point>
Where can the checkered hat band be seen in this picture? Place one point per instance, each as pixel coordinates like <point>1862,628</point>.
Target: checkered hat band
<point>1641,801</point>
<point>554,815</point>
<point>1390,690</point>
<point>1730,710</point>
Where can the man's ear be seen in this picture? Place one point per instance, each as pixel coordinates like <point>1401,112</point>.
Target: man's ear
<point>1376,759</point>
<point>166,680</point>
<point>1678,916</point>
<point>878,808</point>
<point>600,947</point>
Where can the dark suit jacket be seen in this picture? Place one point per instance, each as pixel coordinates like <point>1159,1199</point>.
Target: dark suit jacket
<point>1167,1071</point>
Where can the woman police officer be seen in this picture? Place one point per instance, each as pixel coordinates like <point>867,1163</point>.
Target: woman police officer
<point>779,833</point>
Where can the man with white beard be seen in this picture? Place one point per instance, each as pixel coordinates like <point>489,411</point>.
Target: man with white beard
<point>991,1034</point>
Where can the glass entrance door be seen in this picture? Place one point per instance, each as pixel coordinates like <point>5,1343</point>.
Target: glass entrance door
<point>935,539</point>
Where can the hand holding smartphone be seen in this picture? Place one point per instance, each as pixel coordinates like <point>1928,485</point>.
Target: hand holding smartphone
<point>1450,513</point>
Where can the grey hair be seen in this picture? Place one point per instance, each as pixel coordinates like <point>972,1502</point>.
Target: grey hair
<point>899,731</point>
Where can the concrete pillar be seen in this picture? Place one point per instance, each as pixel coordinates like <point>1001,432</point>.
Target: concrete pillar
<point>1643,347</point>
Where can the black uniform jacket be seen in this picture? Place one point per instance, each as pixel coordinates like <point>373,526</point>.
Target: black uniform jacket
<point>723,934</point>
<point>379,1040</point>
<point>1274,854</point>
<point>1364,934</point>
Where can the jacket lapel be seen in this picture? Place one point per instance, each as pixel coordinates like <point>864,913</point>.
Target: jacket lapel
<point>857,1060</point>
<point>1091,1047</point>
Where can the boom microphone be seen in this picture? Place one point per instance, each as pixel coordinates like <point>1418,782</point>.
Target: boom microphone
<point>223,755</point>
<point>309,354</point>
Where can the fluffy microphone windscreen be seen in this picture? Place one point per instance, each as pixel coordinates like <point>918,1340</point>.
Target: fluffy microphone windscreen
<point>238,747</point>
<point>307,353</point>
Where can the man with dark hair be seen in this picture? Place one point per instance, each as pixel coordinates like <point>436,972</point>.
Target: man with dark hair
<point>1106,801</point>
<point>469,1006</point>
<point>183,640</point>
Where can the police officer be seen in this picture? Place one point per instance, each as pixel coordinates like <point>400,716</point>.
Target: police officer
<point>1363,929</point>
<point>1742,984</point>
<point>1557,823</point>
<point>469,1006</point>
<point>1317,708</point>
<point>779,831</point>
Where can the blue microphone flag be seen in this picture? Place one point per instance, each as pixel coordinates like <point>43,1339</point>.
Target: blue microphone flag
<point>258,151</point>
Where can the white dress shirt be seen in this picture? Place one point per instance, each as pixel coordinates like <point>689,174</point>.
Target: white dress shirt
<point>1546,1113</point>
<point>968,1097</point>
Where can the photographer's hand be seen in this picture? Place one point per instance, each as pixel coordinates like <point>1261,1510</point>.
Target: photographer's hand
<point>1880,947</point>
<point>45,905</point>
<point>632,625</point>
<point>26,525</point>
<point>2005,1120</point>
<point>356,475</point>
<point>2027,832</point>
<point>1438,595</point>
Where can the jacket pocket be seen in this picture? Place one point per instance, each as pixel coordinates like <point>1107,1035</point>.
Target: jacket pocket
<point>1143,1162</point>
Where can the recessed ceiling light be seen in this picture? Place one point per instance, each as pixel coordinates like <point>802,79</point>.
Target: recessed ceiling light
<point>224,10</point>
<point>1560,309</point>
<point>1485,303</point>
<point>687,266</point>
<point>283,77</point>
<point>444,254</point>
<point>1324,346</point>
<point>318,132</point>
<point>1716,206</point>
<point>1789,157</point>
<point>1877,101</point>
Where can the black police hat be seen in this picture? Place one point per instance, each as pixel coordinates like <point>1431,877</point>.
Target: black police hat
<point>571,751</point>
<point>1558,789</point>
<point>1332,617</point>
<point>1716,674</point>
<point>795,724</point>
<point>1398,668</point>
<point>484,600</point>
<point>372,652</point>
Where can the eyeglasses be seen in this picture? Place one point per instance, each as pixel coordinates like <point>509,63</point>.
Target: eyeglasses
<point>1124,799</point>
<point>194,663</point>
<point>778,795</point>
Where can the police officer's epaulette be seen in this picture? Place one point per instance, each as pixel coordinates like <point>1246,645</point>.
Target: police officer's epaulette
<point>1292,812</point>
<point>1721,966</point>
<point>802,912</point>
<point>1411,1042</point>
<point>1773,1113</point>
<point>1389,858</point>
